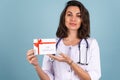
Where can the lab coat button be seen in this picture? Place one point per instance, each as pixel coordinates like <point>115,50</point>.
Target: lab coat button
<point>69,70</point>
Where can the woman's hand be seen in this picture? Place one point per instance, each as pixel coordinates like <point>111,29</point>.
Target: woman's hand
<point>61,58</point>
<point>32,58</point>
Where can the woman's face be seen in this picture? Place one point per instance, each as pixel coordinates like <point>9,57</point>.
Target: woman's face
<point>73,18</point>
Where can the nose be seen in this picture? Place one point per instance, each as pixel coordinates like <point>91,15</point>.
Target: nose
<point>73,18</point>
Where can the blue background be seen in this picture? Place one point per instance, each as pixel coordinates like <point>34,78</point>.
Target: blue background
<point>23,20</point>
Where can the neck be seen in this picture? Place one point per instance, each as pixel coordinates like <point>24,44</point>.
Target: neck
<point>72,35</point>
<point>72,39</point>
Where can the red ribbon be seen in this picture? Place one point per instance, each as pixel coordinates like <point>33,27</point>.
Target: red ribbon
<point>37,44</point>
<point>40,42</point>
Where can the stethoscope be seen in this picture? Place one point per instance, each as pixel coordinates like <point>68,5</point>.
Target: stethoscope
<point>79,62</point>
<point>85,54</point>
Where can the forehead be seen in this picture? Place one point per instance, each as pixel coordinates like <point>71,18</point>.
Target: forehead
<point>74,9</point>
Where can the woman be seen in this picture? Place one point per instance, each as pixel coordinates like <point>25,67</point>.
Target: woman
<point>78,57</point>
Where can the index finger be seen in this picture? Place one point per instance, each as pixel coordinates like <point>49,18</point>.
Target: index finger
<point>30,52</point>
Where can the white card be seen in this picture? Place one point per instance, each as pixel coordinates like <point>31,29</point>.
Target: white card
<point>44,46</point>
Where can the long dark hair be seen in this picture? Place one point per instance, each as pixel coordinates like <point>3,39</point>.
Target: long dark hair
<point>84,30</point>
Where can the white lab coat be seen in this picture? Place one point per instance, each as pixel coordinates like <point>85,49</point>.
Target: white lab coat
<point>62,71</point>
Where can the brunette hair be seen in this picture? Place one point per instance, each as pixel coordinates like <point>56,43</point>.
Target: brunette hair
<point>84,30</point>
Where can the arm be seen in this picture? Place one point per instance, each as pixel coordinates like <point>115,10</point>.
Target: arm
<point>34,61</point>
<point>93,71</point>
<point>78,70</point>
<point>94,68</point>
<point>42,75</point>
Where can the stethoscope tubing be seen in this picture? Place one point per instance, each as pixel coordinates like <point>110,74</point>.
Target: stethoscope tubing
<point>79,62</point>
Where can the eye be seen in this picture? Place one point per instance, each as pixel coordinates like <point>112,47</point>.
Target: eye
<point>69,14</point>
<point>79,16</point>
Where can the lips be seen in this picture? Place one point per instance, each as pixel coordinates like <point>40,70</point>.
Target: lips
<point>73,24</point>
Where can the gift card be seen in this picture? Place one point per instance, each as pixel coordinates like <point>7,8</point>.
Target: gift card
<point>44,46</point>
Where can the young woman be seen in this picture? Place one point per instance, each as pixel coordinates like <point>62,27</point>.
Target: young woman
<point>79,57</point>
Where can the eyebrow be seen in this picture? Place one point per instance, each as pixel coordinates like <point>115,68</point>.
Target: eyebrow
<point>71,12</point>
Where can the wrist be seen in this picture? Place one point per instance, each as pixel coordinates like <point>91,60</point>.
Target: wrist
<point>70,62</point>
<point>36,66</point>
